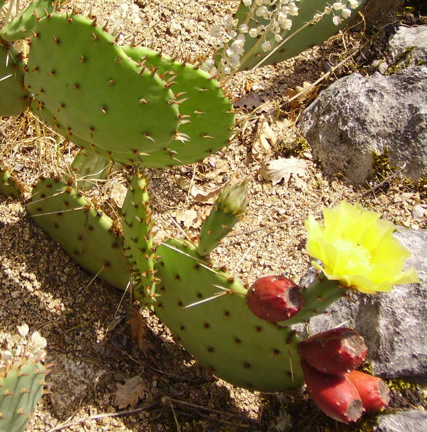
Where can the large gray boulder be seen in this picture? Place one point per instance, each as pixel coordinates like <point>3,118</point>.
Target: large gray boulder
<point>408,45</point>
<point>393,324</point>
<point>359,117</point>
<point>408,421</point>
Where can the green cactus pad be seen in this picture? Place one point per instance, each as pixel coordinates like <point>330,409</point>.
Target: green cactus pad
<point>89,168</point>
<point>97,93</point>
<point>21,388</point>
<point>222,333</point>
<point>226,212</point>
<point>84,232</point>
<point>13,96</point>
<point>23,24</point>
<point>8,186</point>
<point>136,216</point>
<point>300,37</point>
<point>206,114</point>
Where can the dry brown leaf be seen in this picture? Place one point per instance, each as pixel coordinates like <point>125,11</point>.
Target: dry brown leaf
<point>283,168</point>
<point>129,393</point>
<point>118,194</point>
<point>187,217</point>
<point>304,94</point>
<point>203,194</point>
<point>219,167</point>
<point>266,140</point>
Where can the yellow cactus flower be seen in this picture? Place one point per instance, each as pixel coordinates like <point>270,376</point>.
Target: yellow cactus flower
<point>357,248</point>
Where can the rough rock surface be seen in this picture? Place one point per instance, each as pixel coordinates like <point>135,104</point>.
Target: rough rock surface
<point>409,421</point>
<point>410,40</point>
<point>390,322</point>
<point>358,117</point>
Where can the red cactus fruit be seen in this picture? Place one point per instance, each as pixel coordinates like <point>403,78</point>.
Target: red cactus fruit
<point>373,391</point>
<point>335,395</point>
<point>274,298</point>
<point>335,351</point>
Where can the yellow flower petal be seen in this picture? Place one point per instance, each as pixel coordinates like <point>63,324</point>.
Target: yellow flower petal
<point>358,249</point>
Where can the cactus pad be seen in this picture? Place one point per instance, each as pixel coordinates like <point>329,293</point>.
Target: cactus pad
<point>222,333</point>
<point>97,93</point>
<point>206,114</point>
<point>84,232</point>
<point>20,390</point>
<point>13,96</point>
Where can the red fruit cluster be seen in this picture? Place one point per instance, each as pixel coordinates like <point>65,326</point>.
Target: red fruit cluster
<point>274,298</point>
<point>341,392</point>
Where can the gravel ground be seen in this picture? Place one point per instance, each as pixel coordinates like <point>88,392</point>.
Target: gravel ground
<point>86,322</point>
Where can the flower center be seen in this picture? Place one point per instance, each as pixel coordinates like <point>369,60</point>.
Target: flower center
<point>353,257</point>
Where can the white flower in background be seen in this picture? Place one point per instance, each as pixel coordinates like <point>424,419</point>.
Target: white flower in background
<point>354,4</point>
<point>266,46</point>
<point>345,13</point>
<point>22,346</point>
<point>253,32</point>
<point>23,330</point>
<point>337,20</point>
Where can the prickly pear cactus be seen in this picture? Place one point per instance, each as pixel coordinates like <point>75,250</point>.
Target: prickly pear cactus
<point>85,233</point>
<point>206,310</point>
<point>13,96</point>
<point>131,105</point>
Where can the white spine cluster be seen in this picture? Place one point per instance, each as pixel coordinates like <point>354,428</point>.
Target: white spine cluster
<point>265,18</point>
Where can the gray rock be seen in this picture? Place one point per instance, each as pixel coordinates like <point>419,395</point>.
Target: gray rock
<point>408,45</point>
<point>392,323</point>
<point>408,421</point>
<point>358,117</point>
<point>74,381</point>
